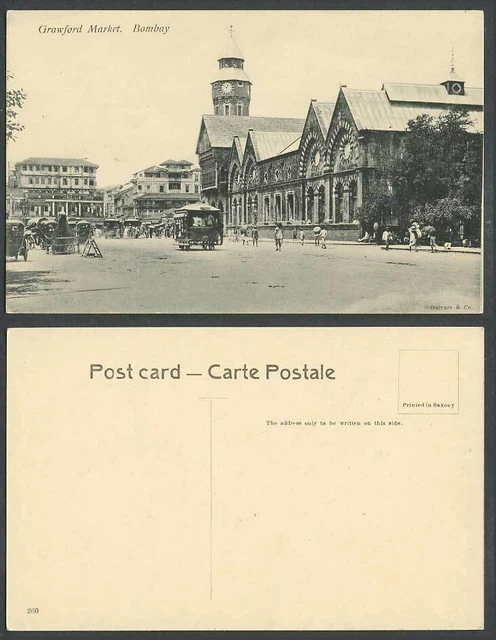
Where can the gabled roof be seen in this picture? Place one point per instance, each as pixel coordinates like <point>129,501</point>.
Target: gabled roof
<point>269,144</point>
<point>324,111</point>
<point>64,162</point>
<point>239,145</point>
<point>372,110</point>
<point>222,129</point>
<point>431,94</point>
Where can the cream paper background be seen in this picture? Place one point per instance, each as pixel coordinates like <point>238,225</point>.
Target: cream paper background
<point>126,511</point>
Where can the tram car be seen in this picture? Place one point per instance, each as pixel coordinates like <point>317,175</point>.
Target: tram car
<point>198,225</point>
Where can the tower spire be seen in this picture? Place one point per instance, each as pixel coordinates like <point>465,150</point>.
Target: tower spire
<point>452,59</point>
<point>231,87</point>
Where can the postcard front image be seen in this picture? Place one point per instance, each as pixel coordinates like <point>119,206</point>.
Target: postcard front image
<point>192,162</point>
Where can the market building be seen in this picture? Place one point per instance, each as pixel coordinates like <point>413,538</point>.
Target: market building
<point>317,170</point>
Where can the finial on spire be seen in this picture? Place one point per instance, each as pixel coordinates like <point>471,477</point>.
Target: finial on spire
<point>452,59</point>
<point>231,29</point>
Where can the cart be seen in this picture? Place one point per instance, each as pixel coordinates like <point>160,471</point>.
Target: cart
<point>198,224</point>
<point>15,240</point>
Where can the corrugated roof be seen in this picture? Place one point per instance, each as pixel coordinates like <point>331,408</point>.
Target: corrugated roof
<point>167,196</point>
<point>371,110</point>
<point>222,129</point>
<point>432,94</point>
<point>230,73</point>
<point>231,50</point>
<point>324,111</point>
<point>65,162</point>
<point>268,144</point>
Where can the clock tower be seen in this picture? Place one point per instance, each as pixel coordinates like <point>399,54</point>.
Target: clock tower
<point>231,87</point>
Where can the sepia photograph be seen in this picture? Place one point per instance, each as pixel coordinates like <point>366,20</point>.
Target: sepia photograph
<point>244,162</point>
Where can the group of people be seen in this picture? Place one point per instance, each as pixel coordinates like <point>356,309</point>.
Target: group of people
<point>413,235</point>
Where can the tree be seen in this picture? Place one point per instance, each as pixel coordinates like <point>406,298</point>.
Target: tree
<point>435,176</point>
<point>14,102</point>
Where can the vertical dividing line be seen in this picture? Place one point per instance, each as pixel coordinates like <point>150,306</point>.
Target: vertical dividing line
<point>211,500</point>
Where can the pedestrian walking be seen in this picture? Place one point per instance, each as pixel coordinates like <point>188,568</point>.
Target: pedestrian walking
<point>323,236</point>
<point>449,239</point>
<point>386,238</point>
<point>295,234</point>
<point>414,234</point>
<point>302,236</point>
<point>432,240</point>
<point>254,236</point>
<point>278,236</point>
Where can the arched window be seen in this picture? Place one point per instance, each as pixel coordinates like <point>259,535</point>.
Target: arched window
<point>290,206</point>
<point>321,204</point>
<point>352,194</point>
<point>338,199</point>
<point>310,204</point>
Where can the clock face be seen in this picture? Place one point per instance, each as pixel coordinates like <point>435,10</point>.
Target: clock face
<point>226,88</point>
<point>347,150</point>
<point>456,88</point>
<point>316,158</point>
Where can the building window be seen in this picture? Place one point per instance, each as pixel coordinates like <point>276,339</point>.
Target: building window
<point>139,187</point>
<point>37,181</point>
<point>239,107</point>
<point>161,188</point>
<point>37,167</point>
<point>49,180</point>
<point>31,167</point>
<point>64,181</point>
<point>174,186</point>
<point>290,206</point>
<point>186,188</point>
<point>64,169</point>
<point>196,188</point>
<point>92,182</point>
<point>226,109</point>
<point>240,84</point>
<point>86,181</point>
<point>352,200</point>
<point>338,194</point>
<point>148,187</point>
<point>278,207</point>
<point>31,181</point>
<point>197,177</point>
<point>43,181</point>
<point>76,182</point>
<point>24,167</point>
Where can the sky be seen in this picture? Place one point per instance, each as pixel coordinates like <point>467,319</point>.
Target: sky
<point>127,100</point>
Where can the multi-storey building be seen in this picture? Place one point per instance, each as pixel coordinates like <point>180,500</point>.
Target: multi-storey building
<point>48,186</point>
<point>171,184</point>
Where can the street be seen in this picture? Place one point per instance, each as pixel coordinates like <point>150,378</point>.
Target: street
<point>151,275</point>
